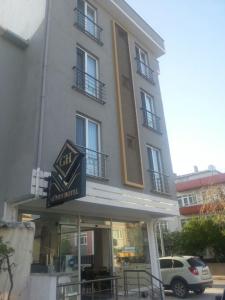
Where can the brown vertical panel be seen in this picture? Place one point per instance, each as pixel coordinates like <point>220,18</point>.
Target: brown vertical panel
<point>131,158</point>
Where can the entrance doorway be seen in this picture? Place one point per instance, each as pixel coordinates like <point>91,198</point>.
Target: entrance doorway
<point>95,251</point>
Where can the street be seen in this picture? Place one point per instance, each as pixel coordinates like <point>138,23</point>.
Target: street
<point>209,294</point>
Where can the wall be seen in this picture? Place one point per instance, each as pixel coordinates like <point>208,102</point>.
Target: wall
<point>42,287</point>
<point>19,236</point>
<point>217,269</point>
<point>20,87</point>
<point>63,102</point>
<point>32,11</point>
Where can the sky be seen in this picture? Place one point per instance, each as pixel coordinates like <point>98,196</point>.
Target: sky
<point>192,78</point>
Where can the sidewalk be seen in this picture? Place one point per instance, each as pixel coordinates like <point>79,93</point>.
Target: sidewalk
<point>218,277</point>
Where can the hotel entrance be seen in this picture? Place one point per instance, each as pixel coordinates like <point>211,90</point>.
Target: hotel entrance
<point>87,255</point>
<point>95,249</point>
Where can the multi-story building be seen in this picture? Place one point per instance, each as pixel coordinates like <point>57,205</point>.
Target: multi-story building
<point>86,71</point>
<point>195,191</point>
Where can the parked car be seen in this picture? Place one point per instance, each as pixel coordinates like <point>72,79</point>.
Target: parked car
<point>182,274</point>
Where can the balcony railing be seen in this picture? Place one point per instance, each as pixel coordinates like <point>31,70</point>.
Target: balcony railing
<point>96,164</point>
<point>145,71</point>
<point>89,85</point>
<point>86,25</point>
<point>159,181</point>
<point>151,120</point>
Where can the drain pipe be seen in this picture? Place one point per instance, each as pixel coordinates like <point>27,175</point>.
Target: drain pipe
<point>42,97</point>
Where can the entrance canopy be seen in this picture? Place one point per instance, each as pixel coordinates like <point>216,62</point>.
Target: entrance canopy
<point>111,202</point>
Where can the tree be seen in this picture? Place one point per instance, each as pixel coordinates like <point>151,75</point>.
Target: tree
<point>201,233</point>
<point>214,203</point>
<point>5,265</point>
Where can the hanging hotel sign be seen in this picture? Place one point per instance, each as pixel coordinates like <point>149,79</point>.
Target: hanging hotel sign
<point>68,181</point>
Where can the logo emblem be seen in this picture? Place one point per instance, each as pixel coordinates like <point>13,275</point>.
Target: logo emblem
<point>68,182</point>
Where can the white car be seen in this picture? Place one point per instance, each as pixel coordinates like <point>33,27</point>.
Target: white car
<point>183,273</point>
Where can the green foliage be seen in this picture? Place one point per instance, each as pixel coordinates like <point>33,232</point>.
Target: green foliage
<point>5,249</point>
<point>173,243</point>
<point>197,235</point>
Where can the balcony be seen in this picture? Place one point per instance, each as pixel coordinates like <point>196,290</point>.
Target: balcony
<point>87,26</point>
<point>89,85</point>
<point>96,164</point>
<point>159,182</point>
<point>151,120</point>
<point>145,71</point>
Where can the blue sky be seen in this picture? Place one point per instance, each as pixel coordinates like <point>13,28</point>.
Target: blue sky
<point>192,78</point>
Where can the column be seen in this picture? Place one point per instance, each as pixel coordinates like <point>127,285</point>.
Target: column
<point>153,249</point>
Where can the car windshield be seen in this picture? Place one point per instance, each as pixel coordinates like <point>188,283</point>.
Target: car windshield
<point>196,262</point>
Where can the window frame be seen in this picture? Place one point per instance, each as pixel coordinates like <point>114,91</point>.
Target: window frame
<point>160,159</point>
<point>86,6</point>
<point>181,200</point>
<point>142,51</point>
<point>85,70</point>
<point>87,119</point>
<point>166,260</point>
<point>158,177</point>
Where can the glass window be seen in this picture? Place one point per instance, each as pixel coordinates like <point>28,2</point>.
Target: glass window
<point>87,135</point>
<point>91,70</point>
<point>180,202</point>
<point>83,239</point>
<point>165,263</point>
<point>149,110</point>
<point>87,72</point>
<point>155,163</point>
<point>91,19</point>
<point>185,199</point>
<point>130,245</point>
<point>196,262</point>
<point>177,264</point>
<point>80,131</point>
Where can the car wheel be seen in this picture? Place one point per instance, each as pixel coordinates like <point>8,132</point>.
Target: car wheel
<point>200,291</point>
<point>179,288</point>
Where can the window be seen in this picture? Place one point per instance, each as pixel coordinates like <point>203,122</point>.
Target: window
<point>180,203</point>
<point>88,136</point>
<point>143,64</point>
<point>150,118</point>
<point>87,76</point>
<point>159,180</point>
<point>165,263</point>
<point>187,200</point>
<point>87,16</point>
<point>196,262</point>
<point>163,225</point>
<point>177,264</point>
<point>86,20</point>
<point>143,58</point>
<point>83,239</point>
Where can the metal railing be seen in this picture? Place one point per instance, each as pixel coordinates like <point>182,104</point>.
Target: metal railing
<point>86,25</point>
<point>107,288</point>
<point>143,283</point>
<point>151,120</point>
<point>89,85</point>
<point>160,183</point>
<point>145,71</point>
<point>96,163</point>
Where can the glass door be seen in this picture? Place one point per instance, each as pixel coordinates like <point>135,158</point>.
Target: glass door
<point>68,249</point>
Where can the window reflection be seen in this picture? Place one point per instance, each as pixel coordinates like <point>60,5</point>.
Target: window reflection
<point>130,245</point>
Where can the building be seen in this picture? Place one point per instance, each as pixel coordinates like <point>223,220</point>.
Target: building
<point>196,190</point>
<point>87,72</point>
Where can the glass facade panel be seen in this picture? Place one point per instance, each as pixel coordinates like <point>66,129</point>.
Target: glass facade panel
<point>130,245</point>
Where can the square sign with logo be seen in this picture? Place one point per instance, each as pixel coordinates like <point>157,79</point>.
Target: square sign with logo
<point>68,181</point>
